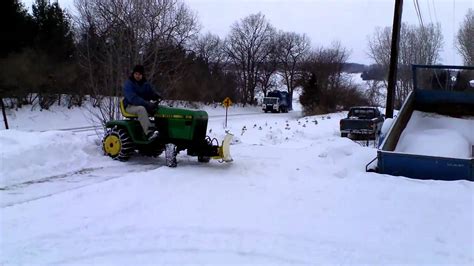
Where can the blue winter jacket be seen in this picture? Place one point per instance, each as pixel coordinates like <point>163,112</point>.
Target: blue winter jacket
<point>138,93</point>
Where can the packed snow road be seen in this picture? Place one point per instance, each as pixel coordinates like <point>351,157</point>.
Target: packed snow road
<point>65,175</point>
<point>296,193</point>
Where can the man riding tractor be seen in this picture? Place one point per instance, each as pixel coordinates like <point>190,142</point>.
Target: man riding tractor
<point>139,94</point>
<point>151,129</point>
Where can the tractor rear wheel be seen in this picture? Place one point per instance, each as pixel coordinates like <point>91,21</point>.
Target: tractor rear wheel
<point>170,155</point>
<point>117,144</point>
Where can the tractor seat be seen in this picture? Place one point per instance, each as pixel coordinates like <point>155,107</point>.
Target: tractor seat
<point>124,112</point>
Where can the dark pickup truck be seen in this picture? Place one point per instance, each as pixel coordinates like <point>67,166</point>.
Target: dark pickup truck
<point>363,121</point>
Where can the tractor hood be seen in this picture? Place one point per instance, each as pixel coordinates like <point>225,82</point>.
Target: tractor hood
<point>179,113</point>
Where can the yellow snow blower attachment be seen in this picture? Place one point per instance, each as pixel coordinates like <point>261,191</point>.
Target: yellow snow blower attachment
<point>224,149</point>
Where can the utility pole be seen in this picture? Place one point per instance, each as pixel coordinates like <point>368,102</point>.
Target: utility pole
<point>392,73</point>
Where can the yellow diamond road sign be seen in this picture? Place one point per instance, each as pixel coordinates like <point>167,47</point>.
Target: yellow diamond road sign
<point>227,102</point>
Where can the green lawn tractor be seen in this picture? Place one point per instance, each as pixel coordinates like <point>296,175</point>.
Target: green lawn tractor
<point>180,129</point>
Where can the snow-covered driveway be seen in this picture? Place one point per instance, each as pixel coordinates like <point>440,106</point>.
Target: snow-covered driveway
<point>296,193</point>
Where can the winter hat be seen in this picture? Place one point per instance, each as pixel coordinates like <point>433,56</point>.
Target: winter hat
<point>139,68</point>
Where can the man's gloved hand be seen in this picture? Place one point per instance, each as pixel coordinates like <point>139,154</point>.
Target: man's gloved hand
<point>151,107</point>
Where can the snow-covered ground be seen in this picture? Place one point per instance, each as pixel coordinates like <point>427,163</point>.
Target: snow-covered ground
<point>296,193</point>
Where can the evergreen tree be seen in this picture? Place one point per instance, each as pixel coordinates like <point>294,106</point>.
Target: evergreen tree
<point>54,39</point>
<point>311,96</point>
<point>54,35</point>
<point>16,26</point>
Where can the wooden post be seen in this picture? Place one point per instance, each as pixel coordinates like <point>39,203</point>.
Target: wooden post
<point>226,108</point>
<point>4,113</point>
<point>227,102</point>
<point>392,74</point>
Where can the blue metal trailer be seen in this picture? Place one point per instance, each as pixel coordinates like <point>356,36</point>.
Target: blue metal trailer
<point>443,90</point>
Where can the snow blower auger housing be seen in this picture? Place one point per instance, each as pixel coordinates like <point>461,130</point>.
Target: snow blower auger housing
<point>179,129</point>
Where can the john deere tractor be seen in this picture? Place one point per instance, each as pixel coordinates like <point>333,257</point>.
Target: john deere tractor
<point>180,129</point>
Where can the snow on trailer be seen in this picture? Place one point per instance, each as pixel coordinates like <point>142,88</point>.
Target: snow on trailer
<point>432,136</point>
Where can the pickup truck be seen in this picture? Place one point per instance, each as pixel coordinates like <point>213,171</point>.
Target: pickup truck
<point>362,121</point>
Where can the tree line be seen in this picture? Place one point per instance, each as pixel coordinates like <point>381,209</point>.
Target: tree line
<point>52,57</point>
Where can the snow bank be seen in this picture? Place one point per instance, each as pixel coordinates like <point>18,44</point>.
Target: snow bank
<point>61,117</point>
<point>437,135</point>
<point>57,117</point>
<point>36,155</point>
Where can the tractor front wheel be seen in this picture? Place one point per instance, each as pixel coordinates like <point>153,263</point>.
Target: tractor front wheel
<point>117,144</point>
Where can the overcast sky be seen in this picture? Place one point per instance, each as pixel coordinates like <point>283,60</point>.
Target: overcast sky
<point>349,21</point>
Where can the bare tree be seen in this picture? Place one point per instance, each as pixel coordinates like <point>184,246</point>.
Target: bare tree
<point>211,49</point>
<point>292,50</point>
<point>418,45</point>
<point>266,77</point>
<point>249,45</point>
<point>117,34</point>
<point>465,39</point>
<point>374,93</point>
<point>325,87</point>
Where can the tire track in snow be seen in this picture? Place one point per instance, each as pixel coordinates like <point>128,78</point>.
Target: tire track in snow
<point>29,191</point>
<point>55,193</point>
<point>50,178</point>
<point>189,245</point>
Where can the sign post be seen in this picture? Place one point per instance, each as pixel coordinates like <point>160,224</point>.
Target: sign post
<point>227,102</point>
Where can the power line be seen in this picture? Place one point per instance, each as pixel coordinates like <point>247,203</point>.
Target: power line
<point>429,12</point>
<point>419,10</point>
<point>420,19</point>
<point>434,9</point>
<point>418,13</point>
